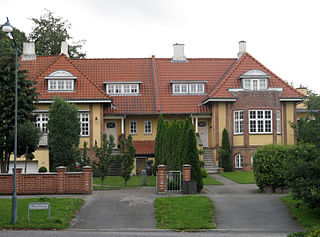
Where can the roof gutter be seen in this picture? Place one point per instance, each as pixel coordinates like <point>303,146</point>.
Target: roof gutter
<point>219,100</point>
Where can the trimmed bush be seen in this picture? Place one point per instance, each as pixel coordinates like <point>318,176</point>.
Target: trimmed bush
<point>204,173</point>
<point>270,166</point>
<point>42,169</point>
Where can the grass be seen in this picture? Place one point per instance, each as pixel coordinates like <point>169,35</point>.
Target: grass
<point>211,181</point>
<point>62,211</point>
<point>112,182</point>
<point>305,216</point>
<point>240,177</point>
<point>185,213</point>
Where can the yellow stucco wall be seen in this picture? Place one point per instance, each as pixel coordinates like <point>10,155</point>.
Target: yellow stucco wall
<point>290,118</point>
<point>257,140</point>
<point>140,127</point>
<point>222,120</point>
<point>41,156</point>
<point>279,139</point>
<point>96,123</point>
<point>238,140</point>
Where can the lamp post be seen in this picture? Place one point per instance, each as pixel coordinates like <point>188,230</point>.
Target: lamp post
<point>7,28</point>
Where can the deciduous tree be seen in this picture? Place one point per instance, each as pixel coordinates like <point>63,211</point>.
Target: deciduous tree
<point>127,158</point>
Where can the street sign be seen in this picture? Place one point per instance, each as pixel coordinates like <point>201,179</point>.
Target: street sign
<point>38,206</point>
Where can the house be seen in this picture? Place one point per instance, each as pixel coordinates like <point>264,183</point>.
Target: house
<point>126,96</point>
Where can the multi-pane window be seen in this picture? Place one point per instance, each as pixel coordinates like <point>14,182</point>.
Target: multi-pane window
<point>84,124</point>
<point>148,127</point>
<point>122,89</point>
<point>133,127</point>
<point>188,88</point>
<point>60,85</point>
<point>42,121</point>
<point>278,121</point>
<point>260,121</point>
<point>238,161</point>
<point>255,84</point>
<point>238,122</point>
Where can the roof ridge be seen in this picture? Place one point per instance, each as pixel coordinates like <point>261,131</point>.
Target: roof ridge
<point>45,68</point>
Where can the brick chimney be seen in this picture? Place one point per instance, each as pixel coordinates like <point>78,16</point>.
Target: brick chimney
<point>29,51</point>
<point>64,48</point>
<point>242,48</point>
<point>178,52</point>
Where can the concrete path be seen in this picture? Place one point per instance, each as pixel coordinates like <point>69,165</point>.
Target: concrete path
<point>240,207</point>
<point>118,209</point>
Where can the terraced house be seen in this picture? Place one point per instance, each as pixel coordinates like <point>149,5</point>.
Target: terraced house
<point>125,96</point>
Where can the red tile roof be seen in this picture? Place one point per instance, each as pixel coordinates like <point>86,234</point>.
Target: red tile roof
<point>155,75</point>
<point>144,147</point>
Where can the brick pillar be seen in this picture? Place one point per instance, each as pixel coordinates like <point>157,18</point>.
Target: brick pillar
<point>162,179</point>
<point>18,180</point>
<point>61,172</point>
<point>87,177</point>
<point>186,172</point>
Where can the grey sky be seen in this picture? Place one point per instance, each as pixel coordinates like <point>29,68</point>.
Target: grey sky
<point>283,35</point>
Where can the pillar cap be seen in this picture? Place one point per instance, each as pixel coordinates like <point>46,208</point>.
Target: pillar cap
<point>186,165</point>
<point>61,167</point>
<point>162,166</point>
<point>87,167</point>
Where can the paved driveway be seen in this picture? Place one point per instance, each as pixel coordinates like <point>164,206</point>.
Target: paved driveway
<point>118,209</point>
<point>240,207</point>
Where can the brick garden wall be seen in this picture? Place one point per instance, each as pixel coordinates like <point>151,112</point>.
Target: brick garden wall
<point>48,183</point>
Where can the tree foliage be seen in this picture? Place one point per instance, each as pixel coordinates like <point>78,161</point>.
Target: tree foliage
<point>80,156</point>
<point>127,158</point>
<point>48,33</point>
<point>26,97</point>
<point>64,130</point>
<point>104,155</point>
<point>176,145</point>
<point>225,152</point>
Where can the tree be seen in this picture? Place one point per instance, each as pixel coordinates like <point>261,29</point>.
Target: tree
<point>80,156</point>
<point>7,45</point>
<point>48,33</point>
<point>104,155</point>
<point>64,130</point>
<point>225,152</point>
<point>26,97</point>
<point>127,158</point>
<point>28,141</point>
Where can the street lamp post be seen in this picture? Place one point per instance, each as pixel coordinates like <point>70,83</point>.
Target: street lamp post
<point>7,28</point>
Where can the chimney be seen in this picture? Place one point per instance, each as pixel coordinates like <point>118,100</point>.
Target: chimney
<point>64,48</point>
<point>242,48</point>
<point>29,52</point>
<point>178,52</point>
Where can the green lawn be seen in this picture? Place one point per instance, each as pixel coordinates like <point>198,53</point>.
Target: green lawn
<point>185,213</point>
<point>111,182</point>
<point>305,216</point>
<point>62,211</point>
<point>240,177</point>
<point>211,181</point>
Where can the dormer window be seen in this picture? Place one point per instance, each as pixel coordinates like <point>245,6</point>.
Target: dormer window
<point>254,80</point>
<point>188,87</point>
<point>61,81</point>
<point>122,88</point>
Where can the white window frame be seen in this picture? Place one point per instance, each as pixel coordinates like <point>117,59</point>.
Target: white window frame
<point>255,84</point>
<point>147,127</point>
<point>41,123</point>
<point>122,89</point>
<point>238,122</point>
<point>84,118</point>
<point>238,161</point>
<point>192,88</point>
<point>60,85</point>
<point>278,121</point>
<point>133,127</point>
<point>259,119</point>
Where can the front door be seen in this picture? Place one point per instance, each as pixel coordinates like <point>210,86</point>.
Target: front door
<point>203,132</point>
<point>111,129</point>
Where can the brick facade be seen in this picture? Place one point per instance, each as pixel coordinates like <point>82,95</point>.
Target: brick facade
<point>48,183</point>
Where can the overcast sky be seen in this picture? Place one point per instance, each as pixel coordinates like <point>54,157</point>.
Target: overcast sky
<point>282,35</point>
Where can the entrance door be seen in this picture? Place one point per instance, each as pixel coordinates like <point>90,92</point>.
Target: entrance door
<point>111,129</point>
<point>203,132</point>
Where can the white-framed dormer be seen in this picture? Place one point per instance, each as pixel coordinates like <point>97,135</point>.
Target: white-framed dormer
<point>123,88</point>
<point>188,87</point>
<point>254,80</point>
<point>61,81</point>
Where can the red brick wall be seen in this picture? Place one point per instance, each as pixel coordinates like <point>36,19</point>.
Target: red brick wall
<point>48,183</point>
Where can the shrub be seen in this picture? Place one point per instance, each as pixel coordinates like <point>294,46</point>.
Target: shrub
<point>297,234</point>
<point>201,164</point>
<point>313,232</point>
<point>204,173</point>
<point>270,166</point>
<point>42,169</point>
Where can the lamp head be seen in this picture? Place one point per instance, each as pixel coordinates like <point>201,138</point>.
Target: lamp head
<point>7,28</point>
